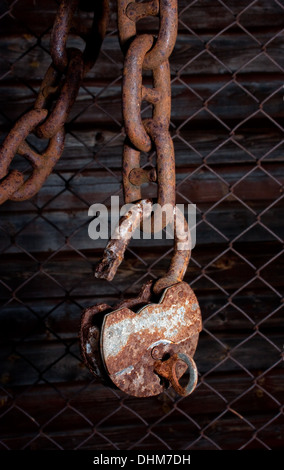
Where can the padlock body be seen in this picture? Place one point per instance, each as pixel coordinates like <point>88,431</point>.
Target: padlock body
<point>130,342</point>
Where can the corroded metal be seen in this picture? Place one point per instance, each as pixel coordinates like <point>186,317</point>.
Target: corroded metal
<point>68,93</point>
<point>60,32</point>
<point>128,339</point>
<point>146,344</point>
<point>142,52</point>
<point>129,12</point>
<point>139,176</point>
<point>132,92</point>
<point>52,106</point>
<point>168,370</point>
<point>90,330</point>
<point>93,38</point>
<point>16,137</point>
<point>137,11</point>
<point>42,164</point>
<point>131,160</point>
<point>138,214</point>
<point>115,249</point>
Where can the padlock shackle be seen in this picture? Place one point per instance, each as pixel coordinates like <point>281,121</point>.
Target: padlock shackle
<point>115,249</point>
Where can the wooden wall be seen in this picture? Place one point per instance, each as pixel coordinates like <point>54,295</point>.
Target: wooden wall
<point>227,126</point>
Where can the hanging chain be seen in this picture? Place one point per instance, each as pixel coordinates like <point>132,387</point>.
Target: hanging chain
<point>143,344</point>
<point>51,109</point>
<point>144,52</point>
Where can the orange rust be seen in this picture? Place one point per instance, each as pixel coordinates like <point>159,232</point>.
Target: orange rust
<point>168,370</point>
<point>145,351</point>
<point>72,63</point>
<point>128,338</point>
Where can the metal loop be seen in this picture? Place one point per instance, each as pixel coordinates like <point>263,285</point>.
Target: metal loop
<point>165,162</point>
<point>132,92</point>
<point>17,135</point>
<point>193,374</point>
<point>60,31</point>
<point>42,166</point>
<point>167,369</point>
<point>181,255</point>
<point>14,187</point>
<point>74,64</point>
<point>165,172</point>
<point>165,43</point>
<point>167,35</point>
<point>93,39</point>
<point>69,91</point>
<point>115,249</point>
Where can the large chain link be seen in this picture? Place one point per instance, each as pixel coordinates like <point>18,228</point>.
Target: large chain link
<point>56,96</point>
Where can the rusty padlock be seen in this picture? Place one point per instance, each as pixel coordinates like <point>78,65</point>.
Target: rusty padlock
<point>143,345</point>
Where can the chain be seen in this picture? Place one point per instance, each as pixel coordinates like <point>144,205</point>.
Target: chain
<point>123,340</point>
<point>144,52</point>
<point>57,93</point>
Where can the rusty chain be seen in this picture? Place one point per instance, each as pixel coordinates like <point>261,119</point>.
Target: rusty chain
<point>135,348</point>
<point>176,302</point>
<point>56,96</point>
<point>145,52</point>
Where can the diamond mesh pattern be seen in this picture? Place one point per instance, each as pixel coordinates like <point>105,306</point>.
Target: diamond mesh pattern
<point>227,127</point>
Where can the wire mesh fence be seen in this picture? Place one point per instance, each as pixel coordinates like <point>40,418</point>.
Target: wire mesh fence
<point>227,128</point>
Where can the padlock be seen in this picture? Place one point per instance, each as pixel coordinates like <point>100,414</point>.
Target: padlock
<point>144,345</point>
<point>143,352</point>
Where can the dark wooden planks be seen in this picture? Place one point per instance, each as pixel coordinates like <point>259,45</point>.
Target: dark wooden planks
<point>205,15</point>
<point>108,90</point>
<point>126,428</point>
<point>99,148</point>
<point>55,361</point>
<point>47,305</point>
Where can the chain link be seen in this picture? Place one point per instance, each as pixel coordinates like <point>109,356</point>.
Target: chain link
<point>56,96</point>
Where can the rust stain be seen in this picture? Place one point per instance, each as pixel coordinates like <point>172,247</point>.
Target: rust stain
<point>128,338</point>
<point>63,78</point>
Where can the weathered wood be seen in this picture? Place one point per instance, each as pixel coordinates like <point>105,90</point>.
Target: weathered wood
<point>98,148</point>
<point>101,104</point>
<point>93,398</point>
<point>230,53</point>
<point>59,361</point>
<point>203,184</point>
<point>206,15</point>
<point>41,319</point>
<point>125,428</point>
<point>51,232</point>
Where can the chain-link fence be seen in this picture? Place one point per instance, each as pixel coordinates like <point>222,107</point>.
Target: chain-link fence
<point>227,127</point>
